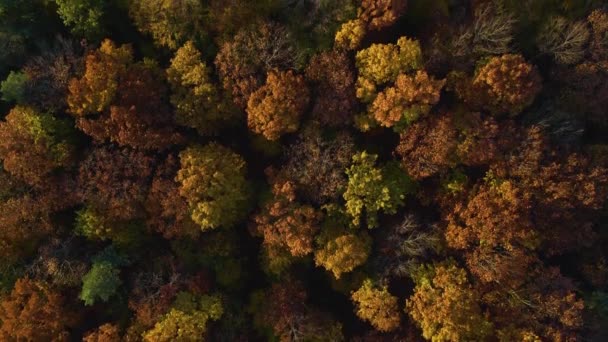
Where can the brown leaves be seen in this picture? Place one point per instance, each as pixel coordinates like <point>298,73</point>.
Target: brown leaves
<point>115,181</point>
<point>122,102</point>
<point>334,99</point>
<point>379,14</point>
<point>34,312</point>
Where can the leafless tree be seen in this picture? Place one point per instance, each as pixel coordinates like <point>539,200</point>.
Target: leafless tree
<point>565,41</point>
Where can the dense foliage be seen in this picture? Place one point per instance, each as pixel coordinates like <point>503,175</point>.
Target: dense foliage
<point>303,170</point>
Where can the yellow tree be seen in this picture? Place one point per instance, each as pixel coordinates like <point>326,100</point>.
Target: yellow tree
<point>377,306</point>
<point>197,102</point>
<point>212,179</point>
<point>382,63</point>
<point>446,307</point>
<point>342,250</point>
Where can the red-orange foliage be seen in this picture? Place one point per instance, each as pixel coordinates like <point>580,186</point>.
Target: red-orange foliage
<point>379,14</point>
<point>122,102</point>
<point>33,145</point>
<point>154,291</point>
<point>428,147</point>
<point>567,191</point>
<point>115,181</point>
<point>26,215</point>
<point>167,210</point>
<point>505,85</point>
<point>494,227</point>
<point>332,76</point>
<point>483,140</point>
<point>105,333</point>
<point>287,224</point>
<point>410,98</point>
<point>34,312</point>
<point>275,108</point>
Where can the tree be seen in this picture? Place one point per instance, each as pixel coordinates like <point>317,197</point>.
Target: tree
<point>49,74</point>
<point>35,144</point>
<point>188,320</point>
<point>284,310</point>
<point>371,189</point>
<point>598,19</point>
<point>212,179</point>
<point>410,99</point>
<point>403,246</point>
<point>333,92</point>
<point>378,14</point>
<point>340,250</point>
<point>83,17</point>
<point>494,225</point>
<point>350,35</point>
<point>167,211</point>
<point>504,85</point>
<point>94,92</point>
<point>14,86</point>
<point>244,62</point>
<point>445,305</point>
<point>377,306</point>
<point>287,224</point>
<point>103,279</point>
<point>26,214</point>
<point>316,164</point>
<point>124,104</point>
<point>169,22</point>
<point>35,312</point>
<point>564,41</point>
<point>428,147</point>
<point>275,108</point>
<point>196,99</point>
<point>115,181</point>
<point>380,64</point>
<point>491,33</point>
<point>105,333</point>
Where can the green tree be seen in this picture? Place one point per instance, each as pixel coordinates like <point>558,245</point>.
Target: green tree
<point>103,279</point>
<point>14,86</point>
<point>82,16</point>
<point>212,179</point>
<point>371,188</point>
<point>169,22</point>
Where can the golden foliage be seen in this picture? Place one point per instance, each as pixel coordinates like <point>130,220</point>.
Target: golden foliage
<point>377,306</point>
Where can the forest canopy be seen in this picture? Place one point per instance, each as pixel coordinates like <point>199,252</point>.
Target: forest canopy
<point>303,170</point>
